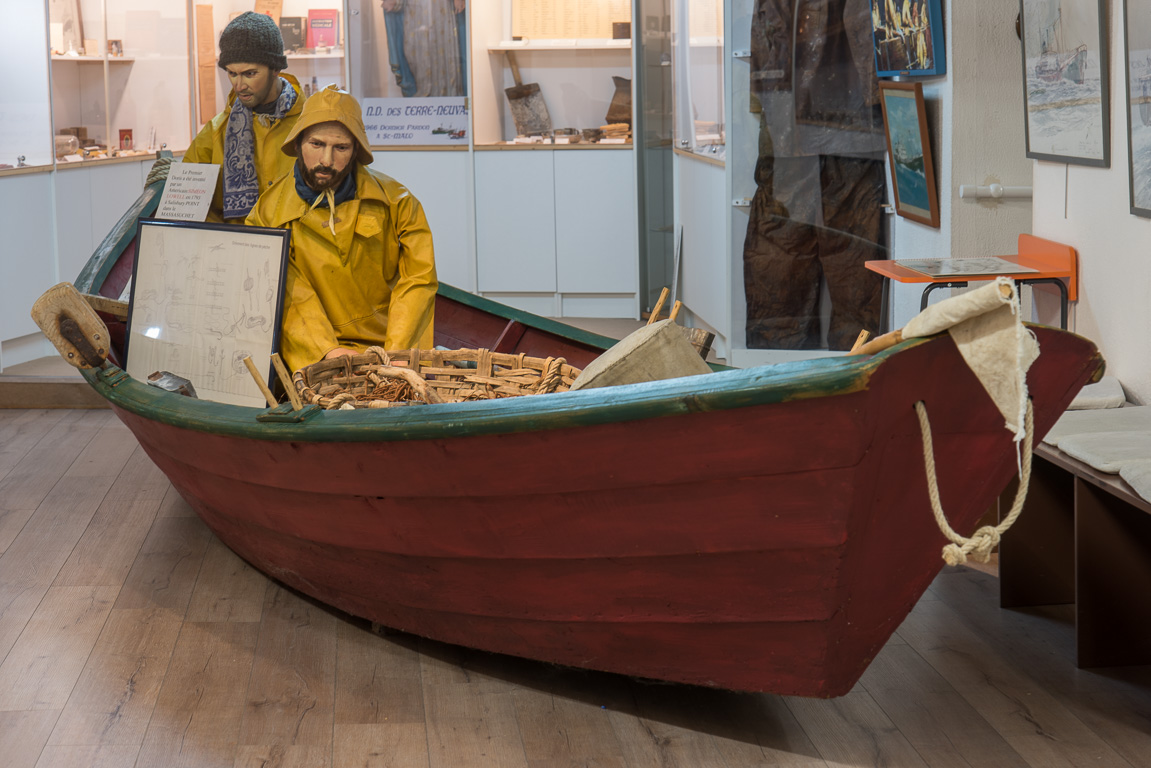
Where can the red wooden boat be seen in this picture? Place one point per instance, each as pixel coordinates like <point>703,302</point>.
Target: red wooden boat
<point>763,529</point>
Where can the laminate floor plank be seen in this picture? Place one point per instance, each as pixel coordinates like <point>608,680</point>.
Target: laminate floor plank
<point>42,668</point>
<point>23,735</point>
<point>381,745</point>
<point>120,684</point>
<point>21,431</point>
<point>560,729</point>
<point>1114,703</point>
<point>109,545</point>
<point>227,589</point>
<point>377,678</point>
<point>280,756</point>
<point>174,505</point>
<point>165,570</point>
<point>470,726</point>
<point>1034,720</point>
<point>854,730</point>
<point>941,725</point>
<point>89,757</point>
<point>41,467</point>
<point>292,689</point>
<point>196,720</point>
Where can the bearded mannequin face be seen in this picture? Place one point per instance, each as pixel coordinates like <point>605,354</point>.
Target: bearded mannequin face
<point>326,154</point>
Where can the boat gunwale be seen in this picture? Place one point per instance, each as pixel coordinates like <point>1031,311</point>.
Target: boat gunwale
<point>717,391</point>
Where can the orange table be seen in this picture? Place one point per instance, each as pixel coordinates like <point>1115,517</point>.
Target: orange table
<point>1054,261</point>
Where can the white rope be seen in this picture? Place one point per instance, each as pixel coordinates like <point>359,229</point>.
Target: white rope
<point>981,543</point>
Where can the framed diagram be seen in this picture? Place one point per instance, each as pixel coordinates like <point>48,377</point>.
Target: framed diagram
<point>908,37</point>
<point>1137,55</point>
<point>909,151</point>
<point>203,297</point>
<point>1065,83</point>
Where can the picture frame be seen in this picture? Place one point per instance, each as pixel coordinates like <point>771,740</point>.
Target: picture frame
<point>203,296</point>
<point>907,37</point>
<point>115,47</point>
<point>1066,87</point>
<point>909,152</point>
<point>1137,69</point>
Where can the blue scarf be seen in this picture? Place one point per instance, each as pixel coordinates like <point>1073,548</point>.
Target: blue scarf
<point>241,185</point>
<point>314,199</point>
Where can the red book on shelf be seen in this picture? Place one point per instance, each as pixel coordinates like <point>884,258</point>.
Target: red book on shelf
<point>323,27</point>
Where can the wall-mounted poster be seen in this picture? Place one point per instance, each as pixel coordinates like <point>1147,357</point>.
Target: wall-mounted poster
<point>908,36</point>
<point>204,296</point>
<point>1065,83</point>
<point>909,149</point>
<point>1137,38</point>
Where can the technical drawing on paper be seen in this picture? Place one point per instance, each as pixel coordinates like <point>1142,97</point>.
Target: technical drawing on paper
<point>202,299</point>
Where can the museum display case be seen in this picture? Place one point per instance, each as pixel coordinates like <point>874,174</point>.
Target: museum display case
<point>119,76</point>
<point>25,113</point>
<point>698,59</point>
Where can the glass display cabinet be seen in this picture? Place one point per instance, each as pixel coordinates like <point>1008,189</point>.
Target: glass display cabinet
<point>700,127</point>
<point>119,78</point>
<point>25,112</point>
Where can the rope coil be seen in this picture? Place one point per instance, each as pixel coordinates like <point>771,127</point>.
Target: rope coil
<point>979,546</point>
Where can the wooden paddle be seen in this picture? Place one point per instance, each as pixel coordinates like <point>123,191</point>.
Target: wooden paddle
<point>72,326</point>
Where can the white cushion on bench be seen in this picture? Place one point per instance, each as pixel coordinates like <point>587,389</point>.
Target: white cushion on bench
<point>1106,393</point>
<point>1136,418</point>
<point>1108,451</point>
<point>1138,476</point>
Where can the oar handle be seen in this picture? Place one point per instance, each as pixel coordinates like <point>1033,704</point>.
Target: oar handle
<point>515,67</point>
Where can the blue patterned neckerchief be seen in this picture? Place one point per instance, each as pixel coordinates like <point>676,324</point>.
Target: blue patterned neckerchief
<point>326,199</point>
<point>241,186</point>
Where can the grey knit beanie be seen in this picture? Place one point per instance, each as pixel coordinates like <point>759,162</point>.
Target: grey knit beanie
<point>252,38</point>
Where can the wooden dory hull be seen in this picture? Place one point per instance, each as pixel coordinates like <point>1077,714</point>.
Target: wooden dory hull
<point>763,529</point>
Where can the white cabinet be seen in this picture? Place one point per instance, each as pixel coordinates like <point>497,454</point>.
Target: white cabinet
<point>556,230</point>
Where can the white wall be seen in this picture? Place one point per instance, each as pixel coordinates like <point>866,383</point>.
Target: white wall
<point>1088,208</point>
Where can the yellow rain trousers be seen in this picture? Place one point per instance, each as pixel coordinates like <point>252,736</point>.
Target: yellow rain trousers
<point>372,284</point>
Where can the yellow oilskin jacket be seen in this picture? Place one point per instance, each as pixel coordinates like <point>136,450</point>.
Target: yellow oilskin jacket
<point>271,163</point>
<point>371,284</point>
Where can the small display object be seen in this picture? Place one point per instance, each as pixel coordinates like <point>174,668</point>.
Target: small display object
<point>115,47</point>
<point>292,30</point>
<point>125,138</point>
<point>1066,89</point>
<point>908,37</point>
<point>204,297</point>
<point>909,150</point>
<point>323,28</point>
<point>1137,38</point>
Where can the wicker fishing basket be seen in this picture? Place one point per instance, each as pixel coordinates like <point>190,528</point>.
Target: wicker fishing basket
<point>374,380</point>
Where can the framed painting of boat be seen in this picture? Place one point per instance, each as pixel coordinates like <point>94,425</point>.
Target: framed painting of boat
<point>908,37</point>
<point>1137,42</point>
<point>909,150</point>
<point>1065,82</point>
<point>203,297</point>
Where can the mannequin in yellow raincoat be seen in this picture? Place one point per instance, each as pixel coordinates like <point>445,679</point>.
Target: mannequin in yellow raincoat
<point>262,108</point>
<point>362,269</point>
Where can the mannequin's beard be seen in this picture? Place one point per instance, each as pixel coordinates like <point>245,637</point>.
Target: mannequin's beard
<point>317,185</point>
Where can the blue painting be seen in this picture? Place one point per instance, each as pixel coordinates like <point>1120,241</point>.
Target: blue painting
<point>912,172</point>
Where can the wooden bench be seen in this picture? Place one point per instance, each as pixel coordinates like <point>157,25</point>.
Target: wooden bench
<point>1084,537</point>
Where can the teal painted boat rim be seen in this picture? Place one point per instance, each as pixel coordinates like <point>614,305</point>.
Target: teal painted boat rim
<point>719,391</point>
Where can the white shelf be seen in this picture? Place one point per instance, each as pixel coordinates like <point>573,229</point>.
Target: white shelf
<point>561,45</point>
<point>339,55</point>
<point>92,59</point>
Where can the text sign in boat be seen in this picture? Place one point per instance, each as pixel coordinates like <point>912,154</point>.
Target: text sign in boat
<point>188,191</point>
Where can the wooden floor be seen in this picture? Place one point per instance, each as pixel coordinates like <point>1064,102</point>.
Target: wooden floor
<point>129,636</point>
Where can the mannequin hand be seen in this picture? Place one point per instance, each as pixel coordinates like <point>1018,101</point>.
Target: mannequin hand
<point>339,352</point>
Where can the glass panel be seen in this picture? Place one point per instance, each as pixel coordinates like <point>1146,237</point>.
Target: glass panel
<point>25,117</point>
<point>79,107</point>
<point>147,71</point>
<point>313,34</point>
<point>654,131</point>
<point>552,71</point>
<point>819,176</point>
<point>410,70</point>
<point>699,69</point>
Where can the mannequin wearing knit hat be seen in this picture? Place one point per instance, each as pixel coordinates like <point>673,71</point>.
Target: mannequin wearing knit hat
<point>262,108</point>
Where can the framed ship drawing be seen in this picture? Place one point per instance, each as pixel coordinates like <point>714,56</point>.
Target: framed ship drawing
<point>1065,82</point>
<point>1137,55</point>
<point>909,151</point>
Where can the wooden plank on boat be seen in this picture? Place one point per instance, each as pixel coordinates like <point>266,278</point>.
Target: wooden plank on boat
<point>72,326</point>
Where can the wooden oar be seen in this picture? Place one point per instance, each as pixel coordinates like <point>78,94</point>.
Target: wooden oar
<point>260,382</point>
<point>72,326</point>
